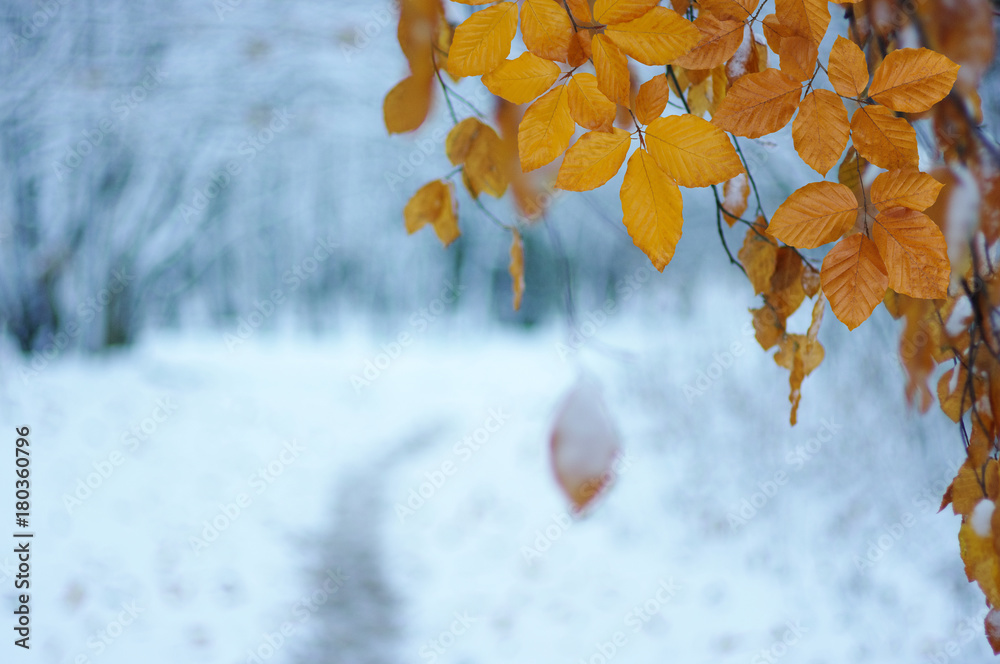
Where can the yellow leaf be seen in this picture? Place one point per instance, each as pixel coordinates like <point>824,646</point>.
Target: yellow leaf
<point>581,10</point>
<point>657,37</point>
<point>854,279</point>
<point>516,268</point>
<point>759,257</point>
<point>612,70</point>
<point>588,105</point>
<point>545,129</point>
<point>801,356</point>
<point>883,139</point>
<point>729,10</point>
<point>775,31</point>
<point>914,252</point>
<point>619,11</point>
<point>820,130</point>
<point>798,57</point>
<point>904,188</point>
<point>807,18</point>
<point>911,80</point>
<point>546,29</point>
<point>692,151</point>
<point>651,207</point>
<point>652,99</point>
<point>981,562</point>
<point>406,105</point>
<point>848,68</point>
<point>522,80</point>
<point>433,204</point>
<point>484,170</point>
<point>815,214</point>
<point>849,173</point>
<point>719,40</point>
<point>759,104</point>
<point>482,42</point>
<point>593,160</point>
<point>735,194</point>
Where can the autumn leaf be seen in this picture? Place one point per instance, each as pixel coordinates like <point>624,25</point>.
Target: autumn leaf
<point>914,252</point>
<point>731,10</point>
<point>854,279</point>
<point>981,562</point>
<point>482,42</point>
<point>593,160</point>
<point>522,80</point>
<point>651,100</point>
<point>692,151</point>
<point>546,29</point>
<point>820,130</point>
<point>619,11</point>
<point>801,356</point>
<point>911,80</point>
<point>588,106</point>
<point>484,164</point>
<point>848,69</point>
<point>405,106</point>
<point>815,214</point>
<point>849,173</point>
<point>759,104</point>
<point>656,38</point>
<point>883,139</point>
<point>735,194</point>
<point>433,204</point>
<point>798,57</point>
<point>651,207</point>
<point>904,188</point>
<point>806,18</point>
<point>759,257</point>
<point>516,268</point>
<point>611,66</point>
<point>460,138</point>
<point>954,399</point>
<point>581,10</point>
<point>545,129</point>
<point>775,31</point>
<point>719,40</point>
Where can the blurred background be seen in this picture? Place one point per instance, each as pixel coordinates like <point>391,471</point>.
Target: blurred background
<point>204,280</point>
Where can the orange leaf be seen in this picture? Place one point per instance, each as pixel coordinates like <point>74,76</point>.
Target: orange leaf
<point>657,37</point>
<point>652,99</point>
<point>651,208</point>
<point>692,151</point>
<point>516,268</point>
<point>798,57</point>
<point>520,81</point>
<point>911,80</point>
<point>759,257</point>
<point>460,139</point>
<point>735,194</point>
<point>759,104</point>
<point>729,10</point>
<point>854,279</point>
<point>612,70</point>
<point>433,204</point>
<point>593,160</point>
<point>815,214</point>
<point>482,42</point>
<point>820,130</point>
<point>801,356</point>
<point>405,106</point>
<point>719,40</point>
<point>914,252</point>
<point>904,188</point>
<point>581,10</point>
<point>807,18</point>
<point>484,164</point>
<point>775,31</point>
<point>545,129</point>
<point>619,11</point>
<point>546,29</point>
<point>981,562</point>
<point>848,68</point>
<point>883,139</point>
<point>588,105</point>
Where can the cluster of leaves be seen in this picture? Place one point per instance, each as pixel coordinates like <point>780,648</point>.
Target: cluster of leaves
<point>896,64</point>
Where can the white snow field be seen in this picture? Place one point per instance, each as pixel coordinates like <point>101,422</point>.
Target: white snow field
<point>251,505</point>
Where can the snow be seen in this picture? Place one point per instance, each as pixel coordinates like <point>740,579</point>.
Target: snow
<point>981,518</point>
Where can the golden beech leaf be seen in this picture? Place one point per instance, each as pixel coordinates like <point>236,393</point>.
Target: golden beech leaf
<point>854,279</point>
<point>911,80</point>
<point>522,80</point>
<point>735,194</point>
<point>657,37</point>
<point>593,160</point>
<point>692,151</point>
<point>914,252</point>
<point>981,562</point>
<point>460,139</point>
<point>719,41</point>
<point>406,105</point>
<point>652,98</point>
<point>651,208</point>
<point>619,11</point>
<point>848,68</point>
<point>820,130</point>
<point>811,281</point>
<point>787,293</point>
<point>589,106</point>
<point>759,257</point>
<point>775,31</point>
<point>904,188</point>
<point>417,23</point>
<point>798,57</point>
<point>883,139</point>
<point>800,355</point>
<point>612,70</point>
<point>545,130</point>
<point>482,42</point>
<point>581,48</point>
<point>806,18</point>
<point>849,173</point>
<point>815,214</point>
<point>484,164</point>
<point>433,204</point>
<point>768,327</point>
<point>516,268</point>
<point>729,10</point>
<point>581,10</point>
<point>759,104</point>
<point>546,29</point>
<point>953,395</point>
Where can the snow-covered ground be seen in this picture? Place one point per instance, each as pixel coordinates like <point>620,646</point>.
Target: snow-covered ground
<point>252,505</point>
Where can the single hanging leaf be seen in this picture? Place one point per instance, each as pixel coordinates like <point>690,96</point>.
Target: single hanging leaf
<point>482,42</point>
<point>854,279</point>
<point>787,293</point>
<point>904,188</point>
<point>546,29</point>
<point>516,268</point>
<point>460,139</point>
<point>406,106</point>
<point>589,106</point>
<point>914,252</point>
<point>759,104</point>
<point>656,38</point>
<point>545,129</point>
<point>815,214</point>
<point>619,11</point>
<point>807,18</point>
<point>719,41</point>
<point>612,70</point>
<point>593,160</point>
<point>522,80</point>
<point>692,151</point>
<point>433,204</point>
<point>820,130</point>
<point>801,356</point>
<point>652,98</point>
<point>484,164</point>
<point>798,57</point>
<point>735,194</point>
<point>759,257</point>
<point>911,80</point>
<point>883,139</point>
<point>848,68</point>
<point>652,208</point>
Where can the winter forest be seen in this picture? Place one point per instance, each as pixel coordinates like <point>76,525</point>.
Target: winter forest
<point>302,364</point>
